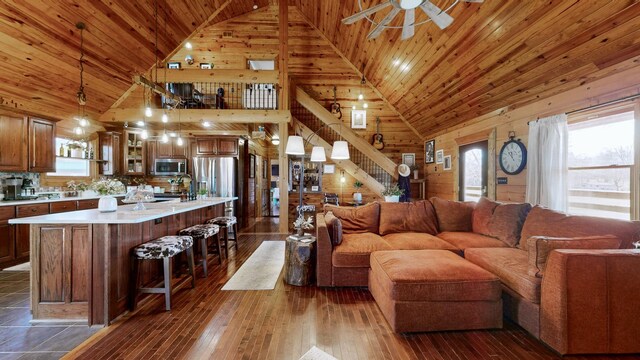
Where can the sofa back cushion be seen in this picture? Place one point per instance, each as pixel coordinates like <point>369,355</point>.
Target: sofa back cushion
<point>334,226</point>
<point>482,214</point>
<point>356,220</point>
<point>545,222</point>
<point>416,216</point>
<point>453,215</point>
<point>501,221</point>
<point>541,246</point>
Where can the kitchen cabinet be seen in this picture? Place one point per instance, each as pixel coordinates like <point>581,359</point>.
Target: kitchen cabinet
<point>221,146</point>
<point>134,154</point>
<point>206,146</point>
<point>110,150</point>
<point>42,145</point>
<point>151,157</point>
<point>228,147</point>
<point>13,143</point>
<point>88,204</point>
<point>7,235</point>
<point>62,206</point>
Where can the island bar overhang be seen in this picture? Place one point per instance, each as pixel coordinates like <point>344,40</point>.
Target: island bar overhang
<point>81,260</point>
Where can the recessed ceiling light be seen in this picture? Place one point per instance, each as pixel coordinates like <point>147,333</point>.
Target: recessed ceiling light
<point>206,124</point>
<point>188,45</point>
<point>255,6</point>
<point>396,62</point>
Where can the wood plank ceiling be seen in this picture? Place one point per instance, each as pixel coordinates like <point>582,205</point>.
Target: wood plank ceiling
<point>496,55</point>
<point>40,47</point>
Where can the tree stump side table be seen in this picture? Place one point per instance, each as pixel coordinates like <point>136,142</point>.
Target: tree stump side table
<point>300,261</point>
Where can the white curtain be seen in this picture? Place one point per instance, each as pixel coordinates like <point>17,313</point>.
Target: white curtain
<point>547,169</point>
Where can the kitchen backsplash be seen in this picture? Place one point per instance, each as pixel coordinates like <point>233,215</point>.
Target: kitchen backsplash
<point>35,177</point>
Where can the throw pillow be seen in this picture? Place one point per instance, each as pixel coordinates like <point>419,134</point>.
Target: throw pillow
<point>453,215</point>
<point>334,226</point>
<point>356,220</point>
<point>506,222</point>
<point>416,216</point>
<point>482,214</point>
<point>540,247</point>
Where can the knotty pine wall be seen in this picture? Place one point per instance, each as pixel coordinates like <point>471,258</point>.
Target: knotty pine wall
<point>443,184</point>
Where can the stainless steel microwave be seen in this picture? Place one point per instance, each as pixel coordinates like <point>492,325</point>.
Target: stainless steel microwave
<point>170,167</point>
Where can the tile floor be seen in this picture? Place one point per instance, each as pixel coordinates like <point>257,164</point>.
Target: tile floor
<point>21,340</point>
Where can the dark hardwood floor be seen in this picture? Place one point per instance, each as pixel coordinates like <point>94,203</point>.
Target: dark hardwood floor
<point>285,323</point>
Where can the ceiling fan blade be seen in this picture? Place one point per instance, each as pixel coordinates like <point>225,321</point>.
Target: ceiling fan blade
<point>439,17</point>
<point>408,29</point>
<point>364,13</point>
<point>381,26</point>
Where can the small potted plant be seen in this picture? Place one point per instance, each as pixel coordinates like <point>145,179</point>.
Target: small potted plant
<point>75,149</point>
<point>357,195</point>
<point>300,225</point>
<point>202,193</point>
<point>392,193</point>
<point>176,183</point>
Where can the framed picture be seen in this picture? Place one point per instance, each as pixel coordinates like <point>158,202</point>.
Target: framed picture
<point>252,166</point>
<point>173,65</point>
<point>206,66</point>
<point>329,169</point>
<point>409,159</point>
<point>439,156</point>
<point>358,119</point>
<point>447,162</point>
<point>429,151</point>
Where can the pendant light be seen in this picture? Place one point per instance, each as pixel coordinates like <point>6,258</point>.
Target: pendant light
<point>81,97</point>
<point>179,141</point>
<point>317,154</point>
<point>164,138</point>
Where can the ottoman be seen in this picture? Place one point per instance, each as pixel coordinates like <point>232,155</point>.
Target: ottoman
<point>434,290</point>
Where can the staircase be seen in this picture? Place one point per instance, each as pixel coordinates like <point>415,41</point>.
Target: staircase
<point>366,163</point>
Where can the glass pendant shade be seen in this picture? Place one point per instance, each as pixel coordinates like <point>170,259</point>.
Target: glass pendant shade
<point>275,140</point>
<point>78,130</point>
<point>144,135</point>
<point>165,138</point>
<point>318,155</point>
<point>340,150</point>
<point>148,112</point>
<point>180,142</point>
<point>295,145</point>
<point>84,122</point>
<point>361,97</point>
<point>165,118</point>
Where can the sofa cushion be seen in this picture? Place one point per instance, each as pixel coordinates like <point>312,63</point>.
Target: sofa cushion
<point>482,214</point>
<point>511,266</point>
<point>506,222</point>
<point>416,216</point>
<point>545,222</point>
<point>432,275</point>
<point>357,220</point>
<point>418,241</point>
<point>467,240</point>
<point>453,215</point>
<point>356,248</point>
<point>541,246</point>
<point>334,226</point>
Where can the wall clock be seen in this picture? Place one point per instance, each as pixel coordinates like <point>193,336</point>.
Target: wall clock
<point>513,156</point>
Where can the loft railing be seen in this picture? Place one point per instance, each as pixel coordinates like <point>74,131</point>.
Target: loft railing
<point>225,95</point>
<point>331,134</point>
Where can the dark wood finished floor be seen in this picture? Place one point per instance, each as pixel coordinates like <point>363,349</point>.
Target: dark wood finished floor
<point>21,340</point>
<point>285,323</point>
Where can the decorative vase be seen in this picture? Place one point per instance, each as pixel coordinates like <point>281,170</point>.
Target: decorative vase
<point>393,198</point>
<point>107,204</point>
<point>357,197</point>
<point>416,173</point>
<point>300,232</point>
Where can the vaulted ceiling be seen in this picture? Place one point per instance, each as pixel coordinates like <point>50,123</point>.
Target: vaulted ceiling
<point>496,55</point>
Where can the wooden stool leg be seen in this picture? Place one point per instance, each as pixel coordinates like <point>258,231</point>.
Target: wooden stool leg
<point>167,282</point>
<point>203,243</point>
<point>133,283</point>
<point>219,248</point>
<point>192,266</point>
<point>235,233</point>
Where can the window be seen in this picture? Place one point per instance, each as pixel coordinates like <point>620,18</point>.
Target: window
<point>601,149</point>
<point>69,166</point>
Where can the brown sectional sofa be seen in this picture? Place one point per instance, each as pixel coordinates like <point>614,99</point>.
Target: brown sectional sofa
<point>571,281</point>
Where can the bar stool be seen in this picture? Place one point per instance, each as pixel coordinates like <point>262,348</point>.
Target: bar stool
<point>226,223</point>
<point>203,232</point>
<point>163,248</point>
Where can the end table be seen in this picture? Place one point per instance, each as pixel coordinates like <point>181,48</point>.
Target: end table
<point>300,260</point>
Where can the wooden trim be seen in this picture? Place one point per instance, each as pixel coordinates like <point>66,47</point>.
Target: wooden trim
<point>141,80</point>
<point>354,139</point>
<point>604,167</point>
<point>635,169</point>
<point>236,116</point>
<point>230,76</point>
<point>475,137</point>
<point>283,161</point>
<point>491,165</point>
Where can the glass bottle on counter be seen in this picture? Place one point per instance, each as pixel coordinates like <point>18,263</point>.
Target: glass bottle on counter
<point>61,151</point>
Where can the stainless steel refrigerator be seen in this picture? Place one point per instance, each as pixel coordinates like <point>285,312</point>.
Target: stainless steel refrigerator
<point>219,176</point>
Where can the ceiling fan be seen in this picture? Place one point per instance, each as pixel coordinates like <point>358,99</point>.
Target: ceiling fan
<point>435,14</point>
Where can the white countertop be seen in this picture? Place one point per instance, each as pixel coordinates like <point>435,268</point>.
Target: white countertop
<point>124,214</point>
<point>44,201</point>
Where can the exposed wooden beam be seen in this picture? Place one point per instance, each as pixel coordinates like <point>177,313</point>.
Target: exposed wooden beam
<point>354,139</point>
<point>228,76</point>
<point>283,58</point>
<point>359,73</point>
<point>347,165</point>
<point>198,115</point>
<point>141,80</point>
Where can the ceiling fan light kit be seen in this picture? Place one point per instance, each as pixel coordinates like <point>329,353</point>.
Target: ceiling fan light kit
<point>438,16</point>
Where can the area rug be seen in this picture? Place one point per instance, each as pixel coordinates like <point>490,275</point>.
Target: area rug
<point>261,270</point>
<point>22,267</point>
<point>317,354</point>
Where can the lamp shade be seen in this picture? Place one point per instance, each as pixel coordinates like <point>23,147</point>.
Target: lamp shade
<point>340,150</point>
<point>318,155</point>
<point>295,145</point>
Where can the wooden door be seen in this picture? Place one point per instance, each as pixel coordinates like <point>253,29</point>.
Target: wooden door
<point>473,171</point>
<point>13,143</point>
<point>42,145</point>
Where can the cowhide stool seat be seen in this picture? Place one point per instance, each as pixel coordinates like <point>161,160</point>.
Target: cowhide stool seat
<point>163,248</point>
<point>227,223</point>
<point>202,233</point>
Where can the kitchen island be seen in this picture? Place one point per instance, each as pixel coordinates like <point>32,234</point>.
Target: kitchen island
<point>80,260</point>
